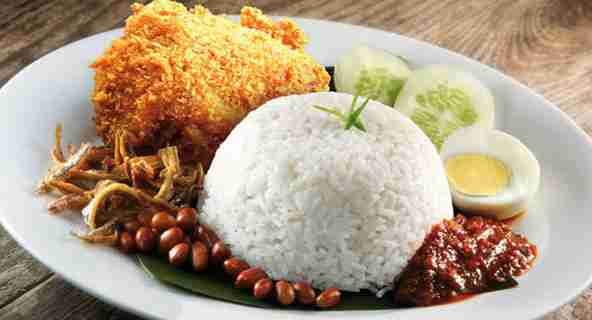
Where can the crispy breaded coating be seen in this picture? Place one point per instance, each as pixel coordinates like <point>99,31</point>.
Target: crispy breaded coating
<point>188,77</point>
<point>285,29</point>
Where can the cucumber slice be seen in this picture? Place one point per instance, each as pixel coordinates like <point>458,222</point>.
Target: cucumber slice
<point>441,99</point>
<point>372,73</point>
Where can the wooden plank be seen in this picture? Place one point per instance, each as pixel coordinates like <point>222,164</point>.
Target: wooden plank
<point>56,299</point>
<point>51,25</point>
<point>579,309</point>
<point>19,272</point>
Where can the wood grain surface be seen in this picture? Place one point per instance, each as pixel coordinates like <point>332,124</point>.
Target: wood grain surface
<point>545,44</point>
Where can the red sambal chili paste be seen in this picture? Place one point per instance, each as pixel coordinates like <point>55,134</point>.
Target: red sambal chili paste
<point>464,255</point>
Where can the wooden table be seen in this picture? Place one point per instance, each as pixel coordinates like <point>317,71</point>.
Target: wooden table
<point>546,44</point>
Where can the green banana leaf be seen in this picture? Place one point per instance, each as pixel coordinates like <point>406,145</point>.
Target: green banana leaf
<point>219,286</point>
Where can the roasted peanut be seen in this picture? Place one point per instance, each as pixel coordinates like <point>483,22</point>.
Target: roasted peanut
<point>234,266</point>
<point>199,256</point>
<point>163,221</point>
<point>248,278</point>
<point>169,239</point>
<point>127,243</point>
<point>206,235</point>
<point>220,252</point>
<point>145,239</point>
<point>132,226</point>
<point>187,219</point>
<point>284,292</point>
<point>145,219</point>
<point>305,294</point>
<point>262,288</point>
<point>329,298</point>
<point>179,254</point>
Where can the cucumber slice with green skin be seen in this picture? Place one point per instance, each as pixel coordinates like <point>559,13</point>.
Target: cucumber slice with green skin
<point>372,73</point>
<point>441,99</point>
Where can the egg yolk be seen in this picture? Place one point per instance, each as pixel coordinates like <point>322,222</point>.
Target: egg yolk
<point>477,174</point>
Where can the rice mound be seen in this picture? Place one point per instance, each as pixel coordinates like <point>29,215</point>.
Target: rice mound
<point>293,192</point>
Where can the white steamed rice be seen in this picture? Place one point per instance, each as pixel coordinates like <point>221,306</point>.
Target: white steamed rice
<point>293,192</point>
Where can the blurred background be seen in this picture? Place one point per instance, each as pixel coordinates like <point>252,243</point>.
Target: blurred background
<point>545,44</point>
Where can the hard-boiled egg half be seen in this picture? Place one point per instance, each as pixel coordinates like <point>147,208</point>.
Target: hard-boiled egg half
<point>491,173</point>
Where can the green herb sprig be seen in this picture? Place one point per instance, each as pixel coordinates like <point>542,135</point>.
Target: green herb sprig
<point>352,117</point>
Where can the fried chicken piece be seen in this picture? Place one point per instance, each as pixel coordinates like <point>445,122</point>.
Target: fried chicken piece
<point>188,77</point>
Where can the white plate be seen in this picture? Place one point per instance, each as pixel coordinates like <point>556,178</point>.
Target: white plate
<point>57,87</point>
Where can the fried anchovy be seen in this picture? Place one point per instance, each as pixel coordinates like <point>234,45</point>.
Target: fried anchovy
<point>60,170</point>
